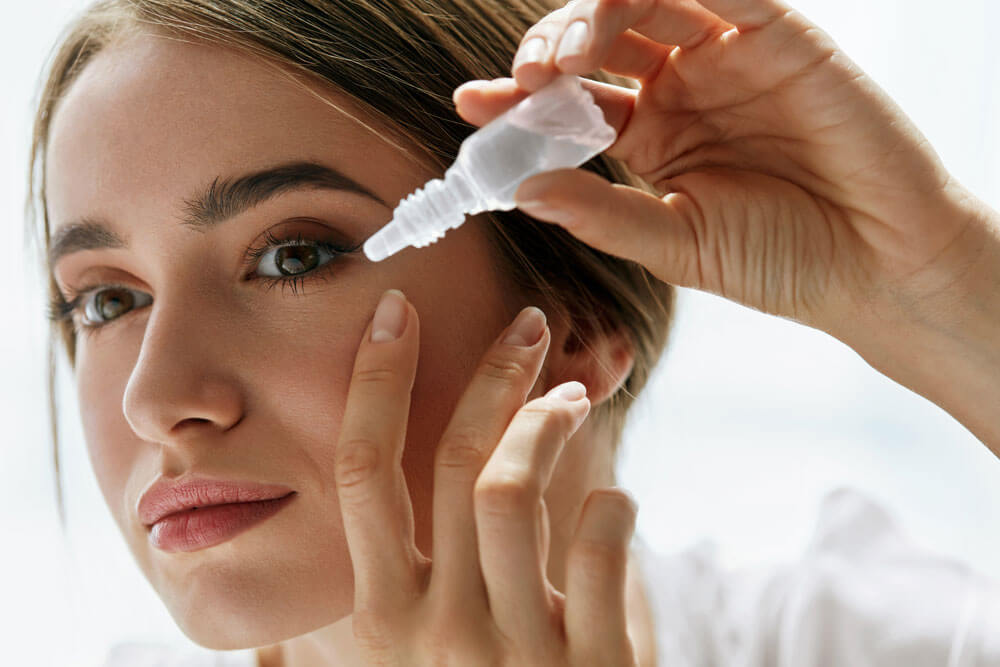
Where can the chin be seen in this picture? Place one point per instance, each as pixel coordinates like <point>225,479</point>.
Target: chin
<point>256,590</point>
<point>229,614</point>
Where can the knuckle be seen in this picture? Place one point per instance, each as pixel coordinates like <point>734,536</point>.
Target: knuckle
<point>356,461</point>
<point>462,448</point>
<point>504,369</point>
<point>592,555</point>
<point>374,375</point>
<point>506,498</point>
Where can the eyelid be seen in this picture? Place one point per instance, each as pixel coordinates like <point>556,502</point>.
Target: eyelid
<point>335,249</point>
<point>326,253</point>
<point>62,308</point>
<point>65,307</point>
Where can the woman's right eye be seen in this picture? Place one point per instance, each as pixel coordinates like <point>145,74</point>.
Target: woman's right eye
<point>109,303</point>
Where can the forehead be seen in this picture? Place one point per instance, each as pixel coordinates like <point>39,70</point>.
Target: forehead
<point>152,119</point>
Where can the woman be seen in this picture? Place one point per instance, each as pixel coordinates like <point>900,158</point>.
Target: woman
<point>190,157</point>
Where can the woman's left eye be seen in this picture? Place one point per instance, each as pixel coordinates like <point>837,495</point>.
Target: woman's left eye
<point>284,260</point>
<point>293,259</point>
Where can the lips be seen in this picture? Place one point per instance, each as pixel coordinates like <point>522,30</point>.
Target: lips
<point>166,497</point>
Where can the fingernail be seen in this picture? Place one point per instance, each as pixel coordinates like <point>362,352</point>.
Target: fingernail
<point>474,83</point>
<point>574,40</point>
<point>568,391</point>
<point>469,85</point>
<point>532,51</point>
<point>390,317</point>
<point>527,328</point>
<point>545,211</point>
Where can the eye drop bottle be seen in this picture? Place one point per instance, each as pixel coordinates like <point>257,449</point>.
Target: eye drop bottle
<point>555,127</point>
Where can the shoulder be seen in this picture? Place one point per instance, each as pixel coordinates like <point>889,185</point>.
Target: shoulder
<point>866,587</point>
<point>152,654</point>
<point>862,593</point>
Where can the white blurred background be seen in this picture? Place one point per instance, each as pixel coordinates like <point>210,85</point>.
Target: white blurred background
<point>748,422</point>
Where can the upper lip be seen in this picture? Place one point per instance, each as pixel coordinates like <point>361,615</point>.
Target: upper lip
<point>168,496</point>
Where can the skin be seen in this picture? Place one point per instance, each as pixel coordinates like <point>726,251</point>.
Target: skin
<point>219,376</point>
<point>791,184</point>
<point>788,182</point>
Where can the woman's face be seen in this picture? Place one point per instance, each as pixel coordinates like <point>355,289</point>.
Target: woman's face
<point>216,370</point>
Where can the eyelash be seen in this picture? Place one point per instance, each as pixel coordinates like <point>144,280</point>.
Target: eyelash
<point>61,309</point>
<point>295,282</point>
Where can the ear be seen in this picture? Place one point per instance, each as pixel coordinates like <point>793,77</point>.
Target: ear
<point>602,361</point>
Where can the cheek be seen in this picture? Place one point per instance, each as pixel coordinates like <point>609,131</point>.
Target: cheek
<point>100,385</point>
<point>300,385</point>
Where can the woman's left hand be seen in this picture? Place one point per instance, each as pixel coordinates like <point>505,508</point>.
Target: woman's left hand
<point>484,599</point>
<point>786,181</point>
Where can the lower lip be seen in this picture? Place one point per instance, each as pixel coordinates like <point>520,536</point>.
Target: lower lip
<point>207,526</point>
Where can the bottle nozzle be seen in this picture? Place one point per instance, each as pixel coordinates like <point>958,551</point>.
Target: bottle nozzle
<point>443,201</point>
<point>385,242</point>
<point>559,125</point>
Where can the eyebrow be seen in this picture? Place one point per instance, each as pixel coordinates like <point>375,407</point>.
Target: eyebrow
<point>222,200</point>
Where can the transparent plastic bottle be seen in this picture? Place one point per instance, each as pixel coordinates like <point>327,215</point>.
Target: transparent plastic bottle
<point>555,127</point>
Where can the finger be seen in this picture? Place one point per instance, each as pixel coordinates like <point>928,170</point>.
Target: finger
<point>544,532</point>
<point>580,37</point>
<point>506,498</point>
<point>596,628</point>
<point>479,102</point>
<point>533,65</point>
<point>374,503</point>
<point>664,235</point>
<point>498,389</point>
<point>747,14</point>
<point>631,54</point>
<point>663,25</point>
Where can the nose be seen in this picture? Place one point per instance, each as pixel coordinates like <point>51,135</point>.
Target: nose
<point>181,383</point>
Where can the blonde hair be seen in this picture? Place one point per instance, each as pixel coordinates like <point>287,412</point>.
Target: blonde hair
<point>399,60</point>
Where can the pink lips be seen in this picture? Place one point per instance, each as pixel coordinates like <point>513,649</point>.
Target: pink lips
<point>200,513</point>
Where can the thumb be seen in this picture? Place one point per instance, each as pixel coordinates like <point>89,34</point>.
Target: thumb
<point>618,219</point>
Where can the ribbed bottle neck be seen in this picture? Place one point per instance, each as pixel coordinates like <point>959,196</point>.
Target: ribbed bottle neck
<point>461,191</point>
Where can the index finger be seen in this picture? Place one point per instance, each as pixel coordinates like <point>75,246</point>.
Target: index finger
<point>683,23</point>
<point>374,502</point>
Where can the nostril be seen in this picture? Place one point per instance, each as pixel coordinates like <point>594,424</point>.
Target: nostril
<point>198,424</point>
<point>194,420</point>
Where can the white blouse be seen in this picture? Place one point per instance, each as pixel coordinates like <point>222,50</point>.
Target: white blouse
<point>861,595</point>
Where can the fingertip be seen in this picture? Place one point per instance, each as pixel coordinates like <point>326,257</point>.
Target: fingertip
<point>612,518</point>
<point>391,317</point>
<point>533,76</point>
<point>474,85</point>
<point>629,497</point>
<point>570,391</point>
<point>574,395</point>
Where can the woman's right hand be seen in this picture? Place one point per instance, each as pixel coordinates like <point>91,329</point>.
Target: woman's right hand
<point>791,183</point>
